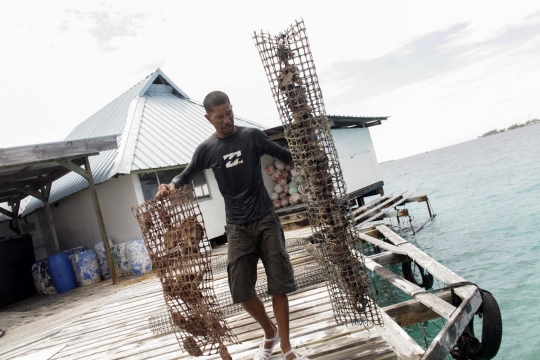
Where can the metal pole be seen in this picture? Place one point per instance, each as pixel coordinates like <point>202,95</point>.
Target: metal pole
<point>100,221</point>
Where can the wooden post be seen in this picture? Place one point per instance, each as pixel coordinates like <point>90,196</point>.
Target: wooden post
<point>45,192</point>
<point>48,211</point>
<point>101,224</point>
<point>15,203</point>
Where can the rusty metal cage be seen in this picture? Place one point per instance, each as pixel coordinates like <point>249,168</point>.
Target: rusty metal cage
<point>175,237</point>
<point>290,70</point>
<point>304,277</point>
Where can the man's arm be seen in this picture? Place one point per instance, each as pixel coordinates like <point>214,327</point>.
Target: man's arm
<point>268,147</point>
<point>194,167</point>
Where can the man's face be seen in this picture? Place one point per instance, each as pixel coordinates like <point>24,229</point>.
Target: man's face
<point>222,117</point>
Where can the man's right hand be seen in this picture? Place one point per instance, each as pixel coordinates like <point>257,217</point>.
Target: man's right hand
<point>164,190</point>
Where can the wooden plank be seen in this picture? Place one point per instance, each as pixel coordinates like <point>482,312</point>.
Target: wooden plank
<point>388,258</point>
<point>381,244</point>
<point>75,168</point>
<point>384,204</point>
<point>402,344</point>
<point>436,304</point>
<point>449,334</point>
<point>7,213</point>
<point>31,191</point>
<point>419,198</point>
<point>413,312</point>
<point>101,223</point>
<point>292,218</point>
<point>382,212</point>
<point>435,268</point>
<point>33,154</point>
<point>370,205</point>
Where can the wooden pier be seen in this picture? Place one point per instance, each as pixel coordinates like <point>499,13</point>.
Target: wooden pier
<point>102,321</point>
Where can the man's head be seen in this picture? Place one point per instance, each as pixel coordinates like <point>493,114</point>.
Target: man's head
<point>219,113</point>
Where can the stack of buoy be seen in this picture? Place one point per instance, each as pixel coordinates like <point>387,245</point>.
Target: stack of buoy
<point>287,189</point>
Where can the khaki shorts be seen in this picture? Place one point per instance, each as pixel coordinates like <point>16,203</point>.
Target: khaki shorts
<point>260,239</point>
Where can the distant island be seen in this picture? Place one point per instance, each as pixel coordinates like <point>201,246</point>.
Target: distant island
<point>515,126</point>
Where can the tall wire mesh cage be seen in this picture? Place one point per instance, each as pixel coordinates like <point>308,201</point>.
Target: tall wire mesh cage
<point>175,237</point>
<point>290,69</point>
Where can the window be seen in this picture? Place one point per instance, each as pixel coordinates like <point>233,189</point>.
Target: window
<point>151,180</point>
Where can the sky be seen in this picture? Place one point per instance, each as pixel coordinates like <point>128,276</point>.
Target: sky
<point>445,72</point>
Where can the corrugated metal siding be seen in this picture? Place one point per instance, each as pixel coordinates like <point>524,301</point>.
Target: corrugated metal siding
<point>110,120</point>
<point>170,131</point>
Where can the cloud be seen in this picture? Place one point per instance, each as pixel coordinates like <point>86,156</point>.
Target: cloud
<point>431,56</point>
<point>104,26</point>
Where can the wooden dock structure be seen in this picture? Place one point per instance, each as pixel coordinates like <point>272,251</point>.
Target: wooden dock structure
<point>105,321</point>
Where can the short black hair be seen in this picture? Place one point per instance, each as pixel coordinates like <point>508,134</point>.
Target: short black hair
<point>215,98</point>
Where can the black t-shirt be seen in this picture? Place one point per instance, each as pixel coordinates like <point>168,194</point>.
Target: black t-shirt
<point>236,163</point>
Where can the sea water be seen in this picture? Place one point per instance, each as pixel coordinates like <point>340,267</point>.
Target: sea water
<point>486,194</point>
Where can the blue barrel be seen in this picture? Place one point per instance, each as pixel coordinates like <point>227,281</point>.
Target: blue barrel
<point>138,257</point>
<point>61,272</point>
<point>86,267</point>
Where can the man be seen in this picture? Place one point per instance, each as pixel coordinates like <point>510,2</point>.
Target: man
<point>253,229</point>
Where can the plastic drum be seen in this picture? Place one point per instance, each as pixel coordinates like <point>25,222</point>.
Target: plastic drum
<point>138,257</point>
<point>86,267</point>
<point>102,259</point>
<point>61,272</point>
<point>123,263</point>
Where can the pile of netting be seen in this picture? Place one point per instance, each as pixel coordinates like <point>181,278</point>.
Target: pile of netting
<point>175,237</point>
<point>293,80</point>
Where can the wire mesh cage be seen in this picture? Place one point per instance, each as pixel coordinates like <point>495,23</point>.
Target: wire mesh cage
<point>175,237</point>
<point>290,69</point>
<point>304,277</point>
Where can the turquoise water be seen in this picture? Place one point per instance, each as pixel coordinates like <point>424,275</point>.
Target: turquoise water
<point>486,194</point>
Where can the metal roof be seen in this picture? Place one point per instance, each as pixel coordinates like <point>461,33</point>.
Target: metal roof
<point>152,120</point>
<point>336,122</point>
<point>170,130</point>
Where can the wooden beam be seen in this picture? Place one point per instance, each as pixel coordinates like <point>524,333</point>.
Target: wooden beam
<point>381,244</point>
<point>388,258</point>
<point>292,218</point>
<point>413,312</point>
<point>401,342</point>
<point>34,154</point>
<point>384,204</point>
<point>22,174</point>
<point>370,205</point>
<point>441,307</point>
<point>31,191</point>
<point>7,213</point>
<point>75,168</point>
<point>52,228</point>
<point>452,330</point>
<point>381,213</point>
<point>435,268</point>
<point>419,198</point>
<point>101,223</point>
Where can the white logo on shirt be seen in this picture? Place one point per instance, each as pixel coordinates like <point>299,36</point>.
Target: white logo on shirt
<point>231,156</point>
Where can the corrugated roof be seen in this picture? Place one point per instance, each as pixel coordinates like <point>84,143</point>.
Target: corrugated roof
<point>170,130</point>
<point>170,123</point>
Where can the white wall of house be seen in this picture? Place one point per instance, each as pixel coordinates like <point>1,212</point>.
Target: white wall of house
<point>75,218</point>
<point>356,157</point>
